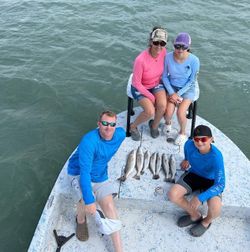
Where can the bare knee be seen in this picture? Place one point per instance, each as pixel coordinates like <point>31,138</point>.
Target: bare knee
<point>214,205</point>
<point>173,195</point>
<point>176,193</point>
<point>108,208</point>
<point>161,105</point>
<point>150,112</point>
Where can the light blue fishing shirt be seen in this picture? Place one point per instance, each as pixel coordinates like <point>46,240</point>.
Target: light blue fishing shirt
<point>182,76</point>
<point>91,158</point>
<point>209,165</point>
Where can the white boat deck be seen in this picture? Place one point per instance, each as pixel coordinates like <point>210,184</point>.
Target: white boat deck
<point>149,219</point>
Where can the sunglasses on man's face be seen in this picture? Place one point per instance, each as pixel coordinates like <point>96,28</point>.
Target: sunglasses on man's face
<point>202,139</point>
<point>178,47</point>
<point>161,43</point>
<point>105,123</point>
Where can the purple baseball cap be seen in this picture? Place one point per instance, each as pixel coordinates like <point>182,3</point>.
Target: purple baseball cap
<point>183,38</point>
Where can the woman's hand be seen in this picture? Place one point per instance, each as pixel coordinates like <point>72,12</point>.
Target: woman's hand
<point>175,98</point>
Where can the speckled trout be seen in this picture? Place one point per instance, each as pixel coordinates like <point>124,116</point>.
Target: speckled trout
<point>139,162</point>
<point>165,167</point>
<point>157,166</point>
<point>130,165</point>
<point>172,167</point>
<point>152,163</point>
<point>146,161</point>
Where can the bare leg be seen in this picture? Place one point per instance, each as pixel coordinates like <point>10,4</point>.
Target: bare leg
<point>80,212</point>
<point>160,107</point>
<point>181,114</point>
<point>214,209</point>
<point>146,114</point>
<point>108,207</point>
<point>169,112</point>
<point>176,195</point>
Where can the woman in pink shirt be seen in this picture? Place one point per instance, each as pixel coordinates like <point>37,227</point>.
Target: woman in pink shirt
<point>147,87</point>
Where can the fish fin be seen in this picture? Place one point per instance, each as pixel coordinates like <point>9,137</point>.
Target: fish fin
<point>156,177</point>
<point>122,178</point>
<point>167,179</point>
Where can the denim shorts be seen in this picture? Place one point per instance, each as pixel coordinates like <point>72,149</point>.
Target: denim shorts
<point>189,94</point>
<point>138,96</point>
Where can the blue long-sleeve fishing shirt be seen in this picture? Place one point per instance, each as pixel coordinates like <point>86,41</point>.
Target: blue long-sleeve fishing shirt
<point>91,158</point>
<point>180,75</point>
<point>209,165</point>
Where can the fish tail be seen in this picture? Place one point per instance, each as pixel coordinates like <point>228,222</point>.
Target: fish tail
<point>122,178</point>
<point>137,177</point>
<point>156,176</point>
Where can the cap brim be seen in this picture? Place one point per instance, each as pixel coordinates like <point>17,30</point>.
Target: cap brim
<point>181,43</point>
<point>159,39</point>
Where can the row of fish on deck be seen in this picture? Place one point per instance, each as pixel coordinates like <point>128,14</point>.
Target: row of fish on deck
<point>139,161</point>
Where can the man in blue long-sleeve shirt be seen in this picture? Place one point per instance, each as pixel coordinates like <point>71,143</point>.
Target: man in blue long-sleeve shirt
<point>90,164</point>
<point>206,174</point>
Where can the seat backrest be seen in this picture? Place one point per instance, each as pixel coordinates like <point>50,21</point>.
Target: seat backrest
<point>129,94</point>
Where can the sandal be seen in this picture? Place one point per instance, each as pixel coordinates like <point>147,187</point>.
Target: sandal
<point>198,230</point>
<point>186,220</point>
<point>153,132</point>
<point>82,232</point>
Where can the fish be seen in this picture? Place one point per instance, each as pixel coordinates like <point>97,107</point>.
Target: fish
<point>139,162</point>
<point>157,166</point>
<point>146,161</point>
<point>172,168</point>
<point>165,166</point>
<point>130,165</point>
<point>152,163</point>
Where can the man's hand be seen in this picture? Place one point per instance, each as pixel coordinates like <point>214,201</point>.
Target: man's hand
<point>194,203</point>
<point>184,164</point>
<point>90,209</point>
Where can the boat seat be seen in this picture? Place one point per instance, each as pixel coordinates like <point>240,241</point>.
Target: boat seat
<point>191,113</point>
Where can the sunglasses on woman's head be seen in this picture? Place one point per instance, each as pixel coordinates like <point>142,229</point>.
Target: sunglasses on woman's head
<point>161,43</point>
<point>105,123</point>
<point>202,139</point>
<point>178,47</point>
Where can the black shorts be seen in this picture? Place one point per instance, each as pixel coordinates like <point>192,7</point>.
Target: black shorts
<point>193,182</point>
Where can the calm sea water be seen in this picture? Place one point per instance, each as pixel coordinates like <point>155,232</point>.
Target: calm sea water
<point>63,62</point>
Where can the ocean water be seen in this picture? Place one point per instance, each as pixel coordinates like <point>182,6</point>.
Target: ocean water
<point>63,62</point>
